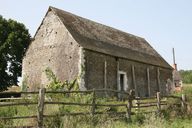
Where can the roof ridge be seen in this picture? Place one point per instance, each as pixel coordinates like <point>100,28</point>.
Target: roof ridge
<point>113,28</point>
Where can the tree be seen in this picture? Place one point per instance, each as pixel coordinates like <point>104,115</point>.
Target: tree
<point>186,76</point>
<point>14,40</point>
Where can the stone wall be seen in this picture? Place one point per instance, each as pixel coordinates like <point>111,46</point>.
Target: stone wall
<point>53,47</point>
<point>94,74</point>
<point>94,70</point>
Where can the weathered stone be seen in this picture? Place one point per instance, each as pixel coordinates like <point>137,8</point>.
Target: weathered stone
<point>65,43</point>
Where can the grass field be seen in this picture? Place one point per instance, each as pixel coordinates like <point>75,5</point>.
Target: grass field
<point>170,118</point>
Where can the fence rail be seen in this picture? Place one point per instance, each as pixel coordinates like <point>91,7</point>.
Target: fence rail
<point>130,105</point>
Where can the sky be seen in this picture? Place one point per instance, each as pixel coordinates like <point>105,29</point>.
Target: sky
<point>163,23</point>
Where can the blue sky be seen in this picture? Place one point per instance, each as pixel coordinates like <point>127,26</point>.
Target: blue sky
<point>163,23</point>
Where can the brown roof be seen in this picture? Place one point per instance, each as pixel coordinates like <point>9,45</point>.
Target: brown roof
<point>104,39</point>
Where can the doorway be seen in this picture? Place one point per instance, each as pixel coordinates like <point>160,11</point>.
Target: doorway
<point>122,83</point>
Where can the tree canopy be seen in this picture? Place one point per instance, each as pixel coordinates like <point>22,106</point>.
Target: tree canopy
<point>186,76</point>
<point>14,40</point>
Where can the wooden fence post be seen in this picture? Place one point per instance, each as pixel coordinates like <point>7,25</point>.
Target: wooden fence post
<point>129,106</point>
<point>93,103</point>
<point>183,102</point>
<point>158,102</point>
<point>138,104</point>
<point>40,107</point>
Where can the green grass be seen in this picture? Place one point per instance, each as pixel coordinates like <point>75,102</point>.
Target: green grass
<point>149,121</point>
<point>17,111</point>
<point>172,116</point>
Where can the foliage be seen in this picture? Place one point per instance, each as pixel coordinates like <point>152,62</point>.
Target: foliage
<point>56,84</point>
<point>187,89</point>
<point>14,40</point>
<point>186,76</point>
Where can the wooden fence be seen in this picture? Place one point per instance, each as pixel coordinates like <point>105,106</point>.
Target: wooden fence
<point>131,103</point>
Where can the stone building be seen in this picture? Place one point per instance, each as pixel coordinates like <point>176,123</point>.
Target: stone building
<point>110,58</point>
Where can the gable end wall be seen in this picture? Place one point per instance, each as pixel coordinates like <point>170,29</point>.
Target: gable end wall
<point>53,47</point>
